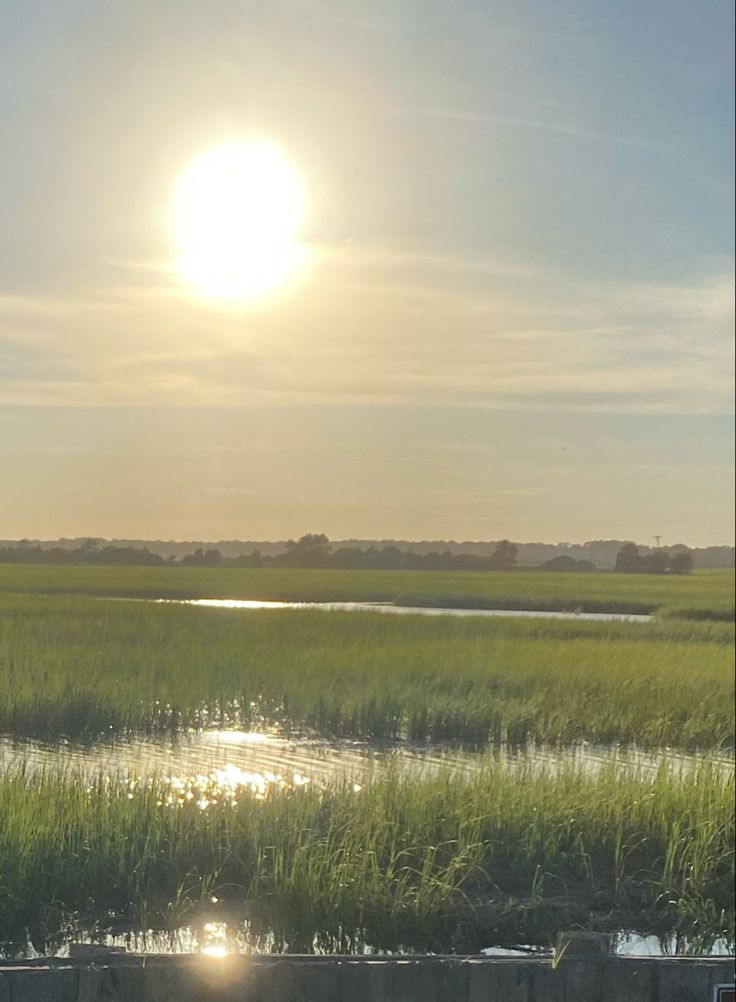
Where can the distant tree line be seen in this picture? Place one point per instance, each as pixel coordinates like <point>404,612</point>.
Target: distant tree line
<point>88,553</point>
<point>600,553</point>
<point>314,551</point>
<point>660,561</point>
<point>311,550</point>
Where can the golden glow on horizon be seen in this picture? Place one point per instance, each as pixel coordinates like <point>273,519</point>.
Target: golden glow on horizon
<point>238,207</point>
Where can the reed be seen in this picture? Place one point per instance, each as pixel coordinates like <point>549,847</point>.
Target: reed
<point>705,594</point>
<point>440,863</point>
<point>82,667</point>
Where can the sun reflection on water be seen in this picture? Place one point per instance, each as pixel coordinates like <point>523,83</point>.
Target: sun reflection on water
<point>214,943</point>
<point>220,786</point>
<point>233,737</point>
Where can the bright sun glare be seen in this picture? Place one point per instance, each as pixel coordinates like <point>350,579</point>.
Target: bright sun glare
<point>237,211</point>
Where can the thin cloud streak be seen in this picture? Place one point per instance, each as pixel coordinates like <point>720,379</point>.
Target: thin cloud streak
<point>400,339</point>
<point>536,125</point>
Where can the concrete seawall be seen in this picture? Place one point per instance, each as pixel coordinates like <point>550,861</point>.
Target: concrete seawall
<point>236,978</point>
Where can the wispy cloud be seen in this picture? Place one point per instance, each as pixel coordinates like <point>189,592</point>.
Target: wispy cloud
<point>397,262</point>
<point>571,131</point>
<point>428,329</point>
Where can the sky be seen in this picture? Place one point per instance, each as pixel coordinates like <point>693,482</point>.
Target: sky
<point>516,315</point>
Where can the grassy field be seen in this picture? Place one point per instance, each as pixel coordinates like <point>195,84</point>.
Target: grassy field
<point>79,666</point>
<point>438,864</point>
<point>706,594</point>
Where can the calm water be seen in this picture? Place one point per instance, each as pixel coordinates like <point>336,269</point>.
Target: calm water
<point>217,938</point>
<point>400,610</point>
<point>274,758</point>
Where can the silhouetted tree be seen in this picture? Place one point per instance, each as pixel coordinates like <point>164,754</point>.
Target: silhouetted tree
<point>656,562</point>
<point>346,557</point>
<point>586,566</point>
<point>504,556</point>
<point>203,558</point>
<point>561,563</point>
<point>311,550</point>
<point>682,563</point>
<point>628,560</point>
<point>659,561</point>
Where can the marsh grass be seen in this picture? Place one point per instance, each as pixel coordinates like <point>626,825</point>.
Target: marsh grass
<point>417,862</point>
<point>83,667</point>
<point>440,863</point>
<point>697,595</point>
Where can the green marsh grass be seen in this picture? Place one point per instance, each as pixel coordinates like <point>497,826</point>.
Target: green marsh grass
<point>439,863</point>
<point>696,595</point>
<point>85,667</point>
<point>416,862</point>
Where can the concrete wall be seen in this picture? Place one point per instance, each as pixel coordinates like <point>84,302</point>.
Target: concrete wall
<point>190,978</point>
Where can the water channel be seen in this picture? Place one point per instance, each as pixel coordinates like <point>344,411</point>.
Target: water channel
<point>250,758</point>
<point>400,610</point>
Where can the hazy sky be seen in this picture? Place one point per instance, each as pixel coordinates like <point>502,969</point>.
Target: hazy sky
<point>517,318</point>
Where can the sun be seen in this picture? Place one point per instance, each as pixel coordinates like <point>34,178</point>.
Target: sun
<point>238,207</point>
